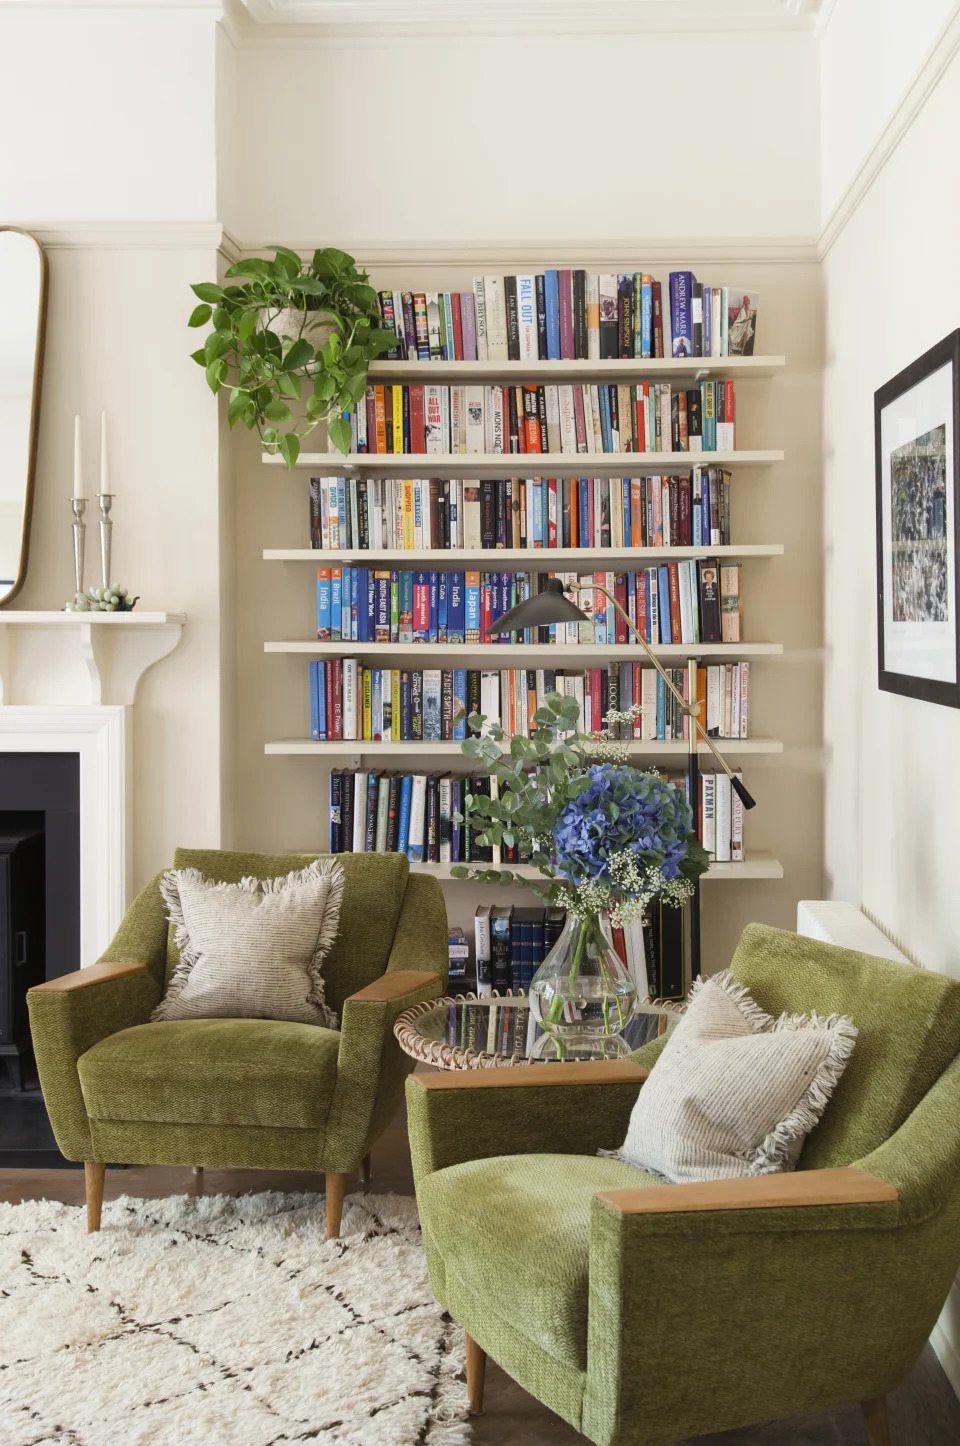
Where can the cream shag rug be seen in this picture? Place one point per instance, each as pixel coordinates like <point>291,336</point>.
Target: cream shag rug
<point>224,1321</point>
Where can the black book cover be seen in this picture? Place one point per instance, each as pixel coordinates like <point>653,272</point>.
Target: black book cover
<point>500,946</point>
<point>604,490</point>
<point>696,310</point>
<point>516,516</point>
<point>370,834</point>
<point>580,315</point>
<point>446,706</point>
<point>445,513</point>
<point>445,827</point>
<point>416,706</point>
<point>336,798</point>
<point>708,581</point>
<point>348,786</point>
<point>488,512</point>
<point>433,819</point>
<point>651,949</point>
<point>625,314</point>
<point>473,691</point>
<point>541,291</point>
<point>407,447</point>
<point>694,416</point>
<point>671,950</point>
<point>388,416</point>
<point>565,484</point>
<point>609,338</point>
<point>513,421</point>
<point>542,414</point>
<point>393,813</point>
<point>316,511</point>
<point>479,853</point>
<point>520,499</point>
<point>553,926</point>
<point>504,524</point>
<point>513,318</point>
<point>363,511</point>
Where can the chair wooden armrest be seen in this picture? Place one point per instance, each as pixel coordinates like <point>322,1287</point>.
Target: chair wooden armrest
<point>83,978</point>
<point>534,1076</point>
<point>394,984</point>
<point>847,1186</point>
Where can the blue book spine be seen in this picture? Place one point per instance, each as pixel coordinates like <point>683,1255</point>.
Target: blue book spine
<point>707,324</point>
<point>648,591</point>
<point>406,607</point>
<point>434,607</point>
<point>585,541</point>
<point>627,521</point>
<point>417,511</point>
<point>360,605</point>
<point>336,605</point>
<point>456,806</point>
<point>605,430</point>
<point>314,701</point>
<point>537,486</point>
<point>552,290</point>
<point>382,617</point>
<point>455,614</point>
<point>545,511</point>
<point>661,710</point>
<point>646,320</point>
<point>696,512</point>
<point>322,698</point>
<point>709,420</point>
<point>471,612</point>
<point>371,606</point>
<point>342,511</point>
<point>681,312</point>
<point>403,820</point>
<point>406,710</point>
<point>459,706</point>
<point>443,586</point>
<point>663,603</point>
<point>376,708</point>
<point>323,604</point>
<point>505,604</point>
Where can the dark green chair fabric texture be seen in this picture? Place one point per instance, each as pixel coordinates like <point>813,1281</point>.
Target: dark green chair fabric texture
<point>646,1329</point>
<point>241,1093</point>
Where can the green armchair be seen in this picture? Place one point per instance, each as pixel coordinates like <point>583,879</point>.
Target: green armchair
<point>240,1093</point>
<point>644,1313</point>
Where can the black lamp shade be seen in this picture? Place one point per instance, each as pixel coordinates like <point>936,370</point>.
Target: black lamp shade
<point>549,606</point>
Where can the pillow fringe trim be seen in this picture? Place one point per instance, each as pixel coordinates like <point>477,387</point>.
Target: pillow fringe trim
<point>775,1153</point>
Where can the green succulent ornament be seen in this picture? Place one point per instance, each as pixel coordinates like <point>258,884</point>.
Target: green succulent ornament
<point>113,599</point>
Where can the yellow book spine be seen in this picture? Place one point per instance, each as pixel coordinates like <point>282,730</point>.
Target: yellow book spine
<point>367,705</point>
<point>395,705</point>
<point>409,537</point>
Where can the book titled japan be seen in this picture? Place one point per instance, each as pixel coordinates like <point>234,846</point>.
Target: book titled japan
<point>742,307</point>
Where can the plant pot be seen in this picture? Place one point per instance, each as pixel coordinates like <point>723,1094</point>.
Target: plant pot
<point>582,989</point>
<point>290,322</point>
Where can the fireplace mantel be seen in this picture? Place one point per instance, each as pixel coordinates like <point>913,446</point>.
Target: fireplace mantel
<point>98,659</point>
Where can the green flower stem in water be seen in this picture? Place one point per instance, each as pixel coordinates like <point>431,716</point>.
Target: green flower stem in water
<point>588,925</point>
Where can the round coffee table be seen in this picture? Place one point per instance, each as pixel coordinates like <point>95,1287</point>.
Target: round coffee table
<point>465,1032</point>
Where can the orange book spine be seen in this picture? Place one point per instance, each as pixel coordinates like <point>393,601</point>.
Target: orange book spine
<point>380,413</point>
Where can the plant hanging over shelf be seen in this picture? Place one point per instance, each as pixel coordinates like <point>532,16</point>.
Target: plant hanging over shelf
<point>291,333</point>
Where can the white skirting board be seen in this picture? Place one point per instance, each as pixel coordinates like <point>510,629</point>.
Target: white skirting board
<point>845,925</point>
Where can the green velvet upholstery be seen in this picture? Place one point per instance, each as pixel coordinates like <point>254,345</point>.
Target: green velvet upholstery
<point>648,1328</point>
<point>242,1093</point>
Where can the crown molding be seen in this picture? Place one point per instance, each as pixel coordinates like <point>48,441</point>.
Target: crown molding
<point>924,83</point>
<point>133,236</point>
<point>550,252</point>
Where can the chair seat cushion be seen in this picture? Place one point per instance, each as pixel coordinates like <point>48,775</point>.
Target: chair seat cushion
<point>516,1230</point>
<point>213,1072</point>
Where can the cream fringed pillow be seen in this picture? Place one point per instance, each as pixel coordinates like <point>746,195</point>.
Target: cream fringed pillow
<point>252,950</point>
<point>735,1092</point>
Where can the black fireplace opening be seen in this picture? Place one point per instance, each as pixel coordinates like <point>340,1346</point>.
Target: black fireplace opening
<point>39,931</point>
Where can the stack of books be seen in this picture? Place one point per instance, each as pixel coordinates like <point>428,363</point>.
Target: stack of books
<point>511,944</point>
<point>406,514</point>
<point>571,315</point>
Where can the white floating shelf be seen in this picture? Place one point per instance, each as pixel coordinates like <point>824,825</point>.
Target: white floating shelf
<point>508,655</point>
<point>113,651</point>
<point>12,618</point>
<point>757,866</point>
<point>609,370</point>
<point>519,464</point>
<point>564,558</point>
<point>351,748</point>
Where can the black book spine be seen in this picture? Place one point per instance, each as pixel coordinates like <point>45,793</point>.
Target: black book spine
<point>416,706</point>
<point>316,511</point>
<point>614,395</point>
<point>393,813</point>
<point>347,792</point>
<point>604,512</point>
<point>500,954</point>
<point>433,820</point>
<point>504,525</point>
<point>542,415</point>
<point>540,283</point>
<point>407,446</point>
<point>672,969</point>
<point>446,706</point>
<point>445,513</point>
<point>513,421</point>
<point>697,312</point>
<point>363,509</point>
<point>513,317</point>
<point>488,513</point>
<point>580,315</point>
<point>625,314</point>
<point>473,691</point>
<point>370,832</point>
<point>336,797</point>
<point>651,949</point>
<point>520,503</point>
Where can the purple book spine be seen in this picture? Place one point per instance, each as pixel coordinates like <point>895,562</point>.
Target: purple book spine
<point>567,344</point>
<point>409,326</point>
<point>468,326</point>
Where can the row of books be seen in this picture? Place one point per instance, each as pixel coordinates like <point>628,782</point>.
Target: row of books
<point>570,315</point>
<point>436,419</point>
<point>695,601</point>
<point>425,817</point>
<point>382,705</point>
<point>408,514</point>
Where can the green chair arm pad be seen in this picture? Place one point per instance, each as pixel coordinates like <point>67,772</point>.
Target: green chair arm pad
<point>572,1109</point>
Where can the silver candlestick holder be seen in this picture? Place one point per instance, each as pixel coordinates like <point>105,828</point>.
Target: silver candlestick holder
<point>79,505</point>
<point>105,499</point>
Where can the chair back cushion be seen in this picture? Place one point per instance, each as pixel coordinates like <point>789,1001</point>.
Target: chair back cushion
<point>372,899</point>
<point>909,1023</point>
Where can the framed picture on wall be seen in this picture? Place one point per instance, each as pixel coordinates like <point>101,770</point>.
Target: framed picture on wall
<point>917,440</point>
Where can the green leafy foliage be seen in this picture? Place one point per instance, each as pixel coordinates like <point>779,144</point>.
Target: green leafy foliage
<point>338,333</point>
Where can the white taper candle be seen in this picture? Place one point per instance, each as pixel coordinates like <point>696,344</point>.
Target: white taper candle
<point>104,464</point>
<point>77,460</point>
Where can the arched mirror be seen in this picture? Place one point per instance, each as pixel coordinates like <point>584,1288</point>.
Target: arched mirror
<point>23,316</point>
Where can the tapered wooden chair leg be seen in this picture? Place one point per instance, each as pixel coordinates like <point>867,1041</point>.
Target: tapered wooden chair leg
<point>476,1371</point>
<point>93,1175</point>
<point>365,1169</point>
<point>335,1187</point>
<point>875,1415</point>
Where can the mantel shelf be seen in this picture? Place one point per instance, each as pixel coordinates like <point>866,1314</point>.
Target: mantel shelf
<point>509,655</point>
<point>458,559</point>
<point>617,369</point>
<point>519,464</point>
<point>112,651</point>
<point>351,748</point>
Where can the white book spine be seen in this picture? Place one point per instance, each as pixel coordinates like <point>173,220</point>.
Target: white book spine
<point>446,435</point>
<point>708,786</point>
<point>386,705</point>
<point>592,290</point>
<point>361,415</point>
<point>433,322</point>
<point>495,795</point>
<point>350,698</point>
<point>359,813</point>
<point>716,315</point>
<point>527,318</point>
<point>474,426</point>
<point>418,501</point>
<point>725,436</point>
<point>457,437</point>
<point>587,400</point>
<point>568,422</point>
<point>714,713</point>
<point>634,937</point>
<point>735,701</point>
<point>723,818</point>
<point>488,402</point>
<point>686,611</point>
<point>666,413</point>
<point>433,418</point>
<point>744,700</point>
<point>446,856</point>
<point>418,797</point>
<point>471,514</point>
<point>499,428</point>
<point>496,307</point>
<point>554,435</point>
<point>595,413</point>
<point>736,825</point>
<point>480,317</point>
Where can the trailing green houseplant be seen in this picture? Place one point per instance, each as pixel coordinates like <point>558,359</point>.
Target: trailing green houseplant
<point>291,333</point>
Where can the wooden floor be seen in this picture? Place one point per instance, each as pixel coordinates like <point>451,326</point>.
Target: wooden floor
<point>924,1412</point>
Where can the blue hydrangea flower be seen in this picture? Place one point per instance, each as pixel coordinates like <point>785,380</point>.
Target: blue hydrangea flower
<point>623,811</point>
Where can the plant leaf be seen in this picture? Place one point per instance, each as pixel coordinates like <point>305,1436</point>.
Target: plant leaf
<point>277,411</point>
<point>200,315</point>
<point>298,355</point>
<point>207,291</point>
<point>340,434</point>
<point>289,446</point>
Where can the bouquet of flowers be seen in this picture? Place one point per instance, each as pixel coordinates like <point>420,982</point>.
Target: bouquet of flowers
<point>608,838</point>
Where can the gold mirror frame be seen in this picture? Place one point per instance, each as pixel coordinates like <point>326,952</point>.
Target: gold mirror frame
<point>34,417</point>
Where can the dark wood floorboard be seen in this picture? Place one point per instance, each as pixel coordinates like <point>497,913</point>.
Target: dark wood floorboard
<point>923,1412</point>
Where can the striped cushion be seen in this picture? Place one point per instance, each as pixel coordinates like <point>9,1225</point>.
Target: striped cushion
<point>735,1091</point>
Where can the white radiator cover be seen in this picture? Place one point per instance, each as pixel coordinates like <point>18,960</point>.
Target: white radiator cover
<point>843,924</point>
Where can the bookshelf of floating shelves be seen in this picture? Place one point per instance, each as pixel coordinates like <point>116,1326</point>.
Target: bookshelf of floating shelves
<point>757,866</point>
<point>481,465</point>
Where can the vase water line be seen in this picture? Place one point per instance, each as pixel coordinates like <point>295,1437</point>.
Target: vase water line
<point>582,988</point>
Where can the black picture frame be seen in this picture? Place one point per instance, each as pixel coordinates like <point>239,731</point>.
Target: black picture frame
<point>932,583</point>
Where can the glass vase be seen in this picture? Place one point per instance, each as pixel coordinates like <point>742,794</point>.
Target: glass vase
<point>582,995</point>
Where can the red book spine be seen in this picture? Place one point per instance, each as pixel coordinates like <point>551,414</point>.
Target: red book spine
<point>674,602</point>
<point>457,327</point>
<point>371,420</point>
<point>552,513</point>
<point>620,594</point>
<point>418,435</point>
<point>337,697</point>
<point>574,512</point>
<point>685,529</point>
<point>567,343</point>
<point>729,410</point>
<point>640,444</point>
<point>596,701</point>
<point>620,944</point>
<point>674,494</point>
<point>657,320</point>
<point>421,608</point>
<point>486,608</point>
<point>643,626</point>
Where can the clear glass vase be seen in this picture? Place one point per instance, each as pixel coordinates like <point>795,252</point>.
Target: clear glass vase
<point>582,996</point>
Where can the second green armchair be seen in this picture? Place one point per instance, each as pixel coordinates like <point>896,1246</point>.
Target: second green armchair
<point>240,1093</point>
